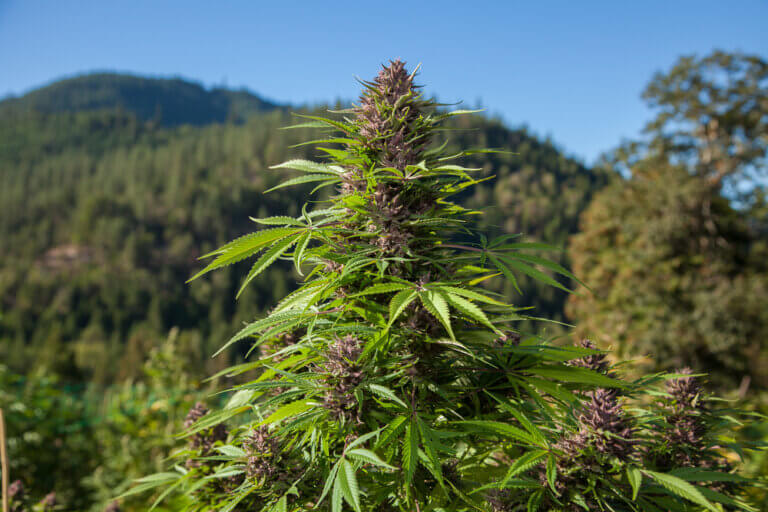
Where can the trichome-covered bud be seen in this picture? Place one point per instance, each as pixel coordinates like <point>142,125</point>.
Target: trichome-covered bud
<point>282,341</point>
<point>263,450</point>
<point>610,430</point>
<point>203,441</point>
<point>500,500</point>
<point>687,427</point>
<point>388,202</point>
<point>333,266</point>
<point>343,375</point>
<point>686,391</point>
<point>341,357</point>
<point>194,414</point>
<point>596,362</point>
<point>508,339</point>
<point>393,241</point>
<point>386,116</point>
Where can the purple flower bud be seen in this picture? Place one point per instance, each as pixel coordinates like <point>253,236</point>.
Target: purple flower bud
<point>685,391</point>
<point>610,430</point>
<point>16,490</point>
<point>263,451</point>
<point>204,440</point>
<point>386,116</point>
<point>596,362</point>
<point>49,502</point>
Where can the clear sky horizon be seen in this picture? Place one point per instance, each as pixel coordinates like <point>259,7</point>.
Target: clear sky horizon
<point>571,71</point>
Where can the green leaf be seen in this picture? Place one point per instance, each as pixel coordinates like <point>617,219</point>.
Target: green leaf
<point>399,302</point>
<point>158,477</point>
<point>722,498</point>
<point>469,309</point>
<point>541,440</point>
<point>298,253</point>
<point>471,294</point>
<point>552,473</point>
<point>214,418</point>
<point>534,273</point>
<point>382,288</point>
<point>281,505</point>
<point>242,248</point>
<point>328,483</point>
<point>575,374</point>
<point>299,180</point>
<point>438,306</point>
<point>368,457</point>
<point>307,166</point>
<point>387,393</point>
<point>504,270</point>
<point>336,497</point>
<point>535,501</point>
<point>524,463</point>
<point>240,398</point>
<point>364,438</point>
<point>635,479</point>
<point>287,411</point>
<point>429,443</point>
<point>499,428</point>
<point>231,451</point>
<point>151,482</point>
<point>348,483</point>
<point>555,267</point>
<point>279,220</point>
<point>681,488</point>
<point>257,326</point>
<point>267,259</point>
<point>391,431</point>
<point>410,451</point>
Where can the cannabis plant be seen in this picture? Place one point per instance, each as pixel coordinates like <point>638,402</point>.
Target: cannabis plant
<point>390,380</point>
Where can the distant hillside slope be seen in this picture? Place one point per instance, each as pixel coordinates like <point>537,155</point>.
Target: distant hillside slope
<point>172,101</point>
<point>103,215</point>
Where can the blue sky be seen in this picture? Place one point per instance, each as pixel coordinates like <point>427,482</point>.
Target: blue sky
<point>570,70</point>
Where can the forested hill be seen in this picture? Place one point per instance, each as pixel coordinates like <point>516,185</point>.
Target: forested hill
<point>170,102</point>
<point>104,212</point>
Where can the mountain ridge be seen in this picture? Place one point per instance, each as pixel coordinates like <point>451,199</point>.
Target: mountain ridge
<point>171,101</point>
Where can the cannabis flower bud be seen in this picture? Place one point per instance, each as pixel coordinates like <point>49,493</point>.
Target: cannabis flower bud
<point>686,425</point>
<point>16,495</point>
<point>595,362</point>
<point>604,419</point>
<point>262,449</point>
<point>49,502</point>
<point>685,391</point>
<point>387,112</point>
<point>204,440</point>
<point>343,375</point>
<point>16,490</point>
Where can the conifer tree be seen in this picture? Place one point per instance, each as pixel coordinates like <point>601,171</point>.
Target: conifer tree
<point>390,380</point>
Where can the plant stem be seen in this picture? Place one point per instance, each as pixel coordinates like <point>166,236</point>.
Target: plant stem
<point>3,463</point>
